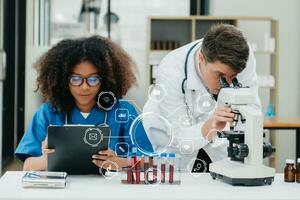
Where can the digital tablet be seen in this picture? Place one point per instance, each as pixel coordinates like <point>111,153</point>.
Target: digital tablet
<point>74,146</point>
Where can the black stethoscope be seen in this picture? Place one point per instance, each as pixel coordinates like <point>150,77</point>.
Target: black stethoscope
<point>183,84</point>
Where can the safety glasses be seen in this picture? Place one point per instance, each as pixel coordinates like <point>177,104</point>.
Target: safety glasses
<point>92,81</point>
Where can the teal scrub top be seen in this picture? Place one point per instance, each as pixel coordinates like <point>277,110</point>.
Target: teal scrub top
<point>31,143</point>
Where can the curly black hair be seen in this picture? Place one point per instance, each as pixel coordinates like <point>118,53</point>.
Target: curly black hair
<point>54,67</point>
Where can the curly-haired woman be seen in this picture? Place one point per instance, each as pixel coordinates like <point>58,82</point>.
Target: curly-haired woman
<point>71,75</point>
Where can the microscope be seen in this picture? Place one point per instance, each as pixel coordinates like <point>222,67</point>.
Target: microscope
<point>246,150</point>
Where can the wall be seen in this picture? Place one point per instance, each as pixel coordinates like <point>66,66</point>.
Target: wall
<point>287,12</point>
<point>1,107</point>
<point>32,99</point>
<point>134,22</point>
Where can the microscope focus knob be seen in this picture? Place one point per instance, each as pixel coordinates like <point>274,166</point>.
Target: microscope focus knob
<point>268,150</point>
<point>243,151</point>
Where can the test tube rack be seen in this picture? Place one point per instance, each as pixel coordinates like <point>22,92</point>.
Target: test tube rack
<point>178,182</point>
<point>151,173</point>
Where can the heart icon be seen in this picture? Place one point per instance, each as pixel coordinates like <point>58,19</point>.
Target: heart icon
<point>106,99</point>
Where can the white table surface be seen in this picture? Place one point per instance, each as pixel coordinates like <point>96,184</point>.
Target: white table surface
<point>97,187</point>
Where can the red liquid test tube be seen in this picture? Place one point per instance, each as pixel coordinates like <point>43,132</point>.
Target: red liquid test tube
<point>134,161</point>
<point>154,169</point>
<point>146,167</point>
<point>171,167</point>
<point>129,171</point>
<point>138,167</point>
<point>163,167</point>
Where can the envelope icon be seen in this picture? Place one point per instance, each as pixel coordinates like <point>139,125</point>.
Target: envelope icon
<point>93,136</point>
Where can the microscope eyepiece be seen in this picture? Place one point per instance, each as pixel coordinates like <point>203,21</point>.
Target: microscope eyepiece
<point>223,82</point>
<point>236,83</point>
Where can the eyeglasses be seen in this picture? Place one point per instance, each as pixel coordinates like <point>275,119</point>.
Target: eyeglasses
<point>92,81</point>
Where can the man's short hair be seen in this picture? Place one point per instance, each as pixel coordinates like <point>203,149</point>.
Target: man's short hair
<point>225,43</point>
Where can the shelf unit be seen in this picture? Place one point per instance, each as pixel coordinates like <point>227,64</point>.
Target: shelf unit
<point>165,31</point>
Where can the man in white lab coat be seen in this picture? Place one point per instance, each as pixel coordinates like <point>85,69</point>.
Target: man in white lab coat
<point>181,114</point>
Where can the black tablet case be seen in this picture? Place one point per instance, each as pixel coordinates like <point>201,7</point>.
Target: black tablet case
<point>72,154</point>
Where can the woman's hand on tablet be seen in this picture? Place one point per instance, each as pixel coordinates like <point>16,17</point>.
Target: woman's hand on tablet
<point>45,149</point>
<point>107,159</point>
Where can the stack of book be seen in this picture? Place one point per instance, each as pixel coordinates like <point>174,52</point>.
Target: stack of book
<point>35,179</point>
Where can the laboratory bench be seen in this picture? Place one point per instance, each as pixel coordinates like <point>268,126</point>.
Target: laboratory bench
<point>197,187</point>
<point>285,123</point>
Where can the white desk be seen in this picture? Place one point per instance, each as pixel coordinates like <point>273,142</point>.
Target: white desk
<point>96,187</point>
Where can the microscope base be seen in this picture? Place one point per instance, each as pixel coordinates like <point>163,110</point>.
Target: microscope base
<point>244,181</point>
<point>237,173</point>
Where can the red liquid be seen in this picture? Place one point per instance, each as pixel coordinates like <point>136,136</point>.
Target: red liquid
<point>129,174</point>
<point>146,167</point>
<point>138,169</point>
<point>154,173</point>
<point>171,174</point>
<point>163,173</point>
<point>135,169</point>
<point>132,176</point>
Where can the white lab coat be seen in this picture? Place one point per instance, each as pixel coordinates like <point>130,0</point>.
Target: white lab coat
<point>171,106</point>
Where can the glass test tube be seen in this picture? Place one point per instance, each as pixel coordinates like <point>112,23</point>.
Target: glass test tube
<point>150,170</point>
<point>155,159</point>
<point>138,167</point>
<point>146,167</point>
<point>171,167</point>
<point>133,168</point>
<point>163,167</point>
<point>129,169</point>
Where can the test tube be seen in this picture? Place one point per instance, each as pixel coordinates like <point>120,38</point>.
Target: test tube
<point>150,170</point>
<point>171,167</point>
<point>138,167</point>
<point>163,167</point>
<point>129,169</point>
<point>155,159</point>
<point>146,167</point>
<point>134,160</point>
